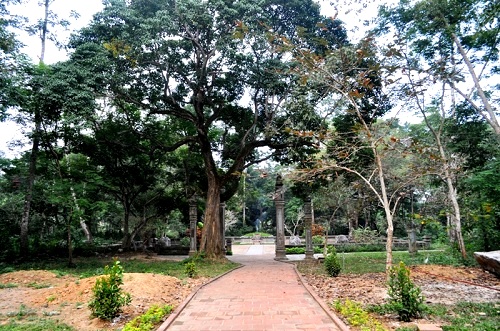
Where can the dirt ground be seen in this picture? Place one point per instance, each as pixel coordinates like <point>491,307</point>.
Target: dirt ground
<point>439,284</point>
<point>65,298</point>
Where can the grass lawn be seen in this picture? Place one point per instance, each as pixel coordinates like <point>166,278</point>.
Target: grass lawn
<point>365,262</point>
<point>88,267</point>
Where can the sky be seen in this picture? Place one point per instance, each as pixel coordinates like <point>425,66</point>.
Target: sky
<point>352,12</point>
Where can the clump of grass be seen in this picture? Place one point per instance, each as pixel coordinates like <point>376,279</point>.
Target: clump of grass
<point>356,316</point>
<point>148,320</point>
<point>38,286</point>
<point>51,298</point>
<point>22,312</point>
<point>36,325</point>
<point>8,285</point>
<point>467,316</point>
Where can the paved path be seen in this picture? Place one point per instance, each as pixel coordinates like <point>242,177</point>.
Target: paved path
<point>262,295</point>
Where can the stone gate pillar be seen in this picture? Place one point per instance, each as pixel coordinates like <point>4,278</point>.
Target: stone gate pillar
<point>193,217</point>
<point>308,228</point>
<point>222,218</point>
<point>279,201</point>
<point>412,239</point>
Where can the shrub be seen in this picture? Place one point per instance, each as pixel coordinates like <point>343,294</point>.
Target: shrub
<point>148,320</point>
<point>405,298</point>
<point>185,241</point>
<point>332,263</point>
<point>357,316</point>
<point>317,230</point>
<point>318,240</point>
<point>295,250</point>
<point>190,269</point>
<point>108,297</point>
<point>365,235</point>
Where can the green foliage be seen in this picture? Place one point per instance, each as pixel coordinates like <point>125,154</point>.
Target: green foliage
<point>467,316</point>
<point>108,297</point>
<point>8,285</point>
<point>302,250</point>
<point>405,297</point>
<point>356,316</point>
<point>367,262</point>
<point>36,325</point>
<point>365,235</point>
<point>22,312</point>
<point>38,286</point>
<point>191,269</point>
<point>185,241</point>
<point>433,229</point>
<point>332,263</point>
<point>295,250</point>
<point>318,240</point>
<point>148,320</point>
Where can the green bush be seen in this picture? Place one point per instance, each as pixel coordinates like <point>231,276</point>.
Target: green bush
<point>332,263</point>
<point>148,320</point>
<point>185,241</point>
<point>190,269</point>
<point>365,235</point>
<point>318,240</point>
<point>295,250</point>
<point>405,298</point>
<point>108,297</point>
<point>356,316</point>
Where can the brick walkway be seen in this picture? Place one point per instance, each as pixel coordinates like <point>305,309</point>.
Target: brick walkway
<point>262,295</point>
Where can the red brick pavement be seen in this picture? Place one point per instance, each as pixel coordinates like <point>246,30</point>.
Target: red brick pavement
<point>262,295</point>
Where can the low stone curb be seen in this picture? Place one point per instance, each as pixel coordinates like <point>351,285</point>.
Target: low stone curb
<point>341,325</point>
<point>171,318</point>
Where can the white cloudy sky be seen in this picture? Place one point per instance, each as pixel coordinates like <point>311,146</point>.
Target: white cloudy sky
<point>87,8</point>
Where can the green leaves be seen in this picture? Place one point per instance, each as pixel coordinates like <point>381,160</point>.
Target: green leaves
<point>404,296</point>
<point>108,297</point>
<point>332,263</point>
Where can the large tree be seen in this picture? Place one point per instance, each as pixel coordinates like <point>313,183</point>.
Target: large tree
<point>209,65</point>
<point>456,42</point>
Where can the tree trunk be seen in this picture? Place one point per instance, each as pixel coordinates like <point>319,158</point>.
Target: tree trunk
<point>70,243</point>
<point>491,118</point>
<point>452,195</point>
<point>23,237</point>
<point>211,241</point>
<point>127,238</point>
<point>24,240</point>
<point>83,225</point>
<point>388,213</point>
<point>456,224</point>
<point>43,33</point>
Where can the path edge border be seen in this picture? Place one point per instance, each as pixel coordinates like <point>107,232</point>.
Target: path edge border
<point>171,318</point>
<point>341,325</point>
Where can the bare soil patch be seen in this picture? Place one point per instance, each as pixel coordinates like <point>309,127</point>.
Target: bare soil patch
<point>439,284</point>
<point>65,298</point>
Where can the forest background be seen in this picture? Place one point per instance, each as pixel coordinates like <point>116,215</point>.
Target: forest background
<point>159,102</point>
